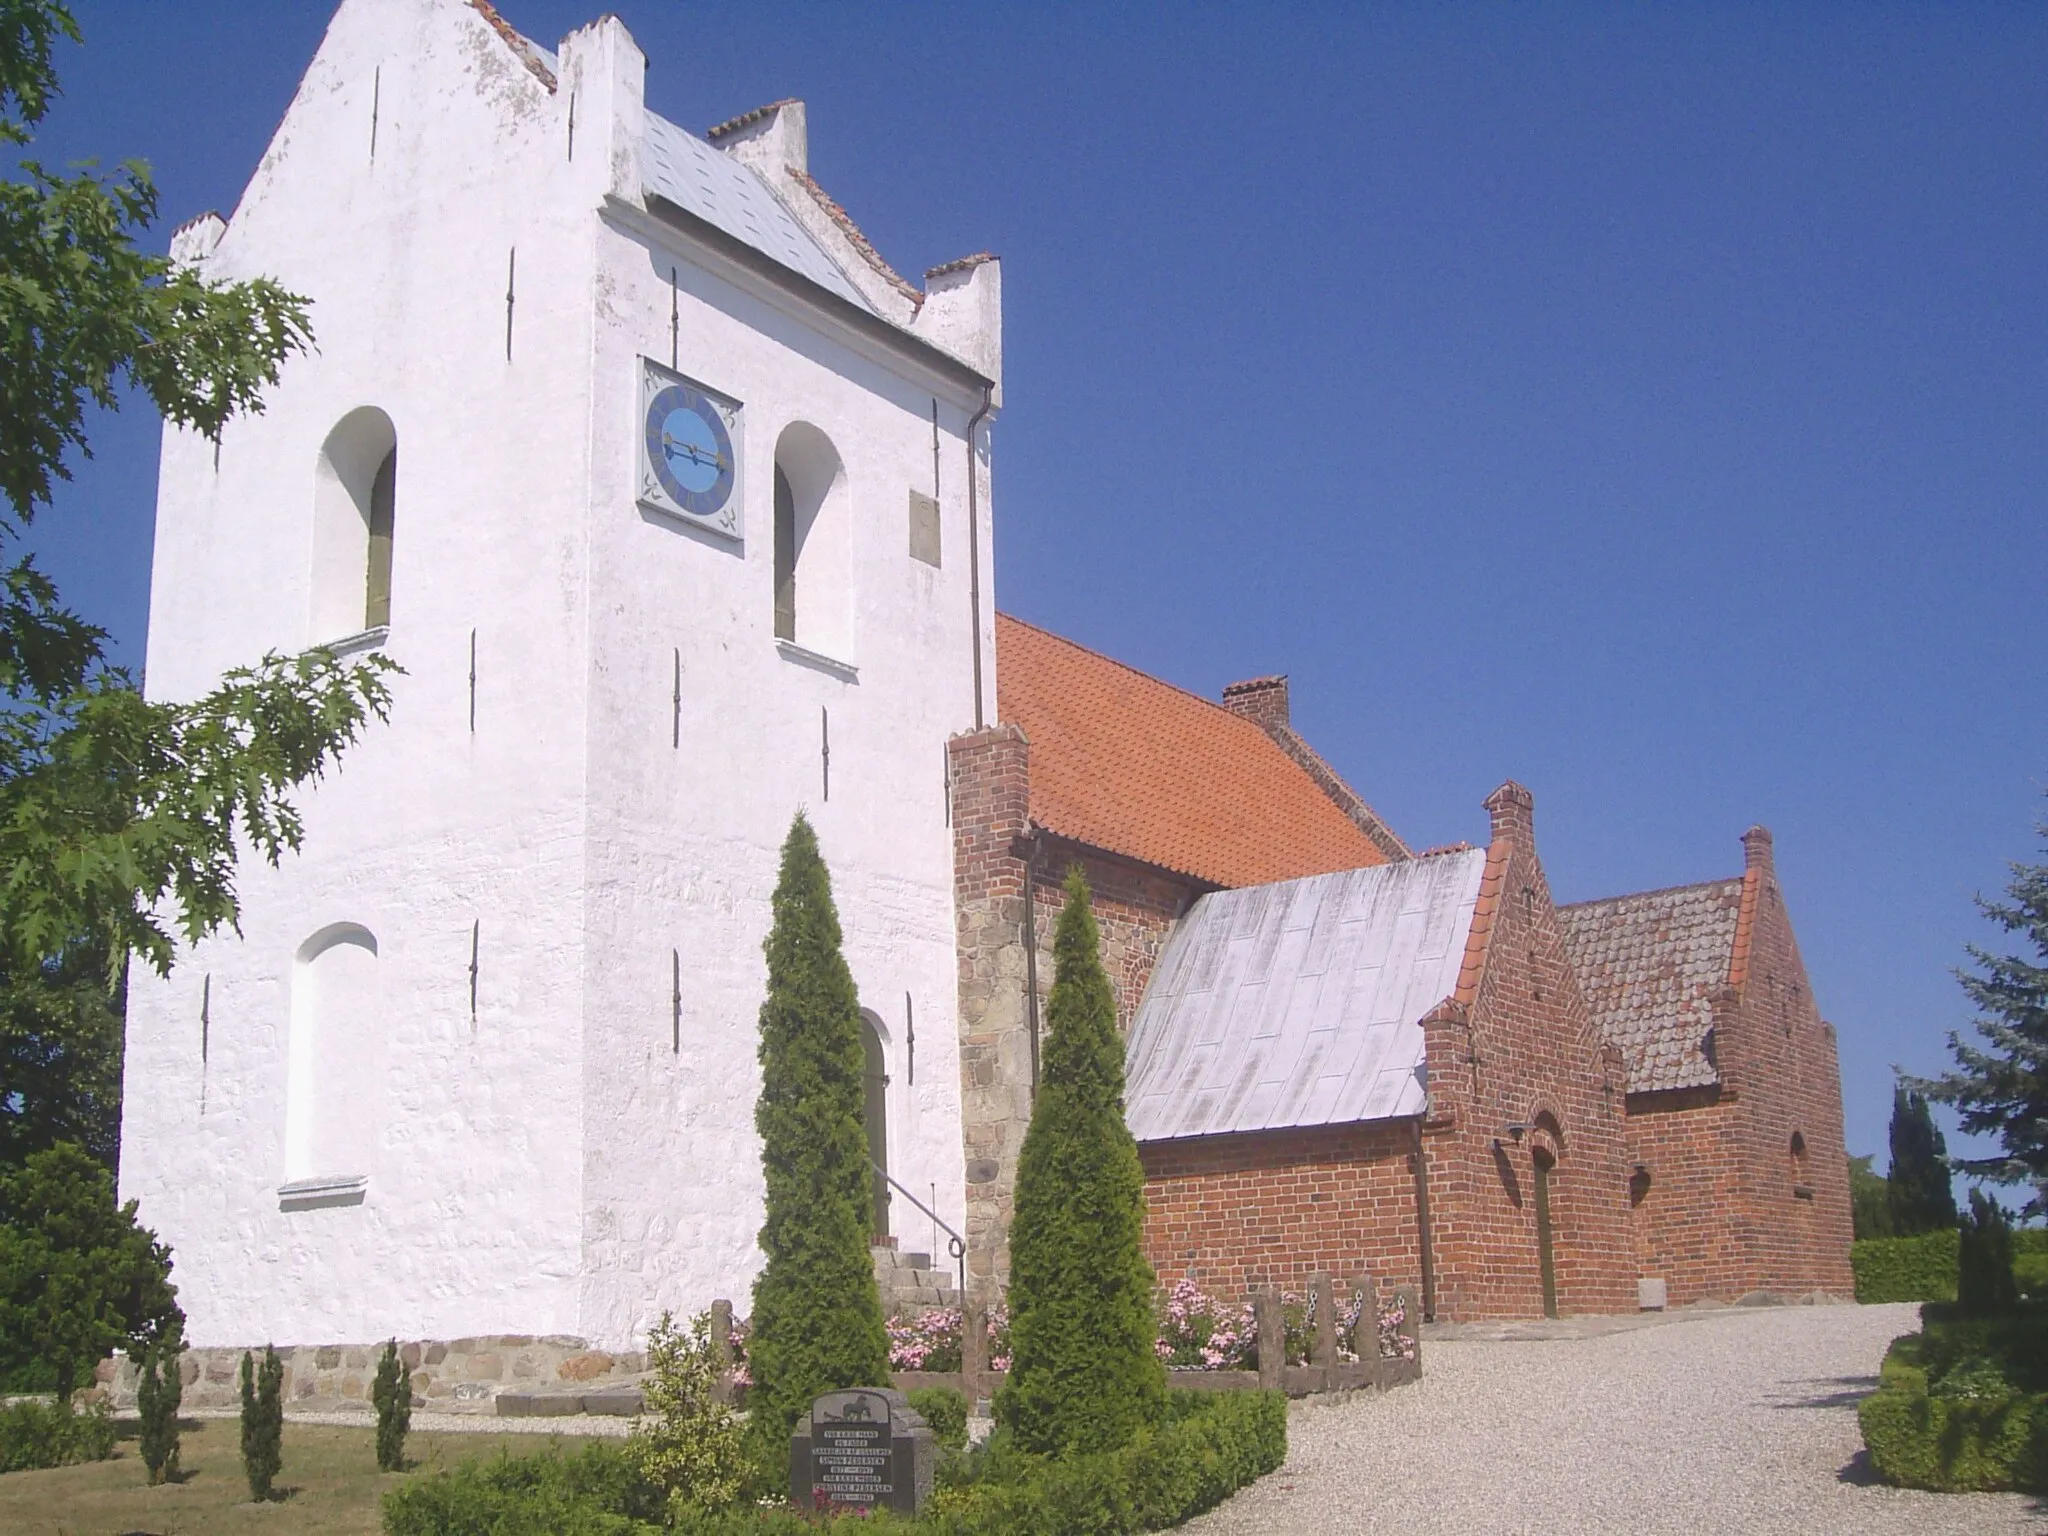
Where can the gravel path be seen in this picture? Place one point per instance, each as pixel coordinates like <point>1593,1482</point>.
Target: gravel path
<point>1742,1420</point>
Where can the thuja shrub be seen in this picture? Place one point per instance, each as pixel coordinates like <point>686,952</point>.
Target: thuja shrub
<point>36,1434</point>
<point>159,1389</point>
<point>944,1412</point>
<point>817,1315</point>
<point>1084,1373</point>
<point>391,1393</point>
<point>262,1422</point>
<point>1984,1277</point>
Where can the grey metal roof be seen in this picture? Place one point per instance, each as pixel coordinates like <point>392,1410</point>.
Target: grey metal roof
<point>1649,966</point>
<point>730,196</point>
<point>1300,1003</point>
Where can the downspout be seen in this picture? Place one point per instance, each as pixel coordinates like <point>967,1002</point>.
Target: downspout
<point>988,400</point>
<point>1424,1243</point>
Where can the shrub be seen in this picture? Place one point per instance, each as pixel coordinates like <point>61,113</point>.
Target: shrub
<point>1919,1268</point>
<point>1084,1372</point>
<point>2030,1262</point>
<point>159,1389</point>
<point>1199,1333</point>
<point>1208,1446</point>
<point>391,1392</point>
<point>946,1412</point>
<point>597,1491</point>
<point>1984,1278</point>
<point>262,1422</point>
<point>931,1340</point>
<point>689,1443</point>
<point>79,1278</point>
<point>36,1434</point>
<point>1965,1430</point>
<point>817,1316</point>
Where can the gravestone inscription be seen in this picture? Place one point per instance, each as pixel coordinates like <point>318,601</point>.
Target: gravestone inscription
<point>863,1448</point>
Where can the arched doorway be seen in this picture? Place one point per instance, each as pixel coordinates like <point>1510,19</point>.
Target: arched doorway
<point>875,1112</point>
<point>1546,1259</point>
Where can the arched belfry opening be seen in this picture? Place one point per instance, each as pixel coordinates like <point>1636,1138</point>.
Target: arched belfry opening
<point>875,1113</point>
<point>355,504</point>
<point>813,543</point>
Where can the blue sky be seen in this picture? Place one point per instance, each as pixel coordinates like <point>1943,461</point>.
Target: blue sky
<point>1644,403</point>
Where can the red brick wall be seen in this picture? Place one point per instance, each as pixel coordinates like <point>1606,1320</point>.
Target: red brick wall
<point>1722,1215</point>
<point>1778,1057</point>
<point>1135,908</point>
<point>1517,1048</point>
<point>1235,1213</point>
<point>1684,1210</point>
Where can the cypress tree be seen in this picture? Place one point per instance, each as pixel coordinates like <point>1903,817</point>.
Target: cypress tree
<point>262,1422</point>
<point>391,1392</point>
<point>817,1323</point>
<point>1922,1199</point>
<point>1984,1277</point>
<point>1084,1374</point>
<point>159,1389</point>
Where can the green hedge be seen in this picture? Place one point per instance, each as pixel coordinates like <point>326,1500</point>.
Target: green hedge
<point>37,1434</point>
<point>1959,1431</point>
<point>1919,1268</point>
<point>1923,1268</point>
<point>1212,1444</point>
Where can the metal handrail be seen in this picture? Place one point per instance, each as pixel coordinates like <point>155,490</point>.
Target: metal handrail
<point>956,1245</point>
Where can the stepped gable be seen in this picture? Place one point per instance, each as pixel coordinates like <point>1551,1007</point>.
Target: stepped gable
<point>1650,966</point>
<point>1126,763</point>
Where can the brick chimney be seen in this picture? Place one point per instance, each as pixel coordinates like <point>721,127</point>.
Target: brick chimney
<point>1261,700</point>
<point>1756,850</point>
<point>1513,810</point>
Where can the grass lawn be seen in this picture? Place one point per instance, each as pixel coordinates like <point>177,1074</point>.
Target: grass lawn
<point>330,1480</point>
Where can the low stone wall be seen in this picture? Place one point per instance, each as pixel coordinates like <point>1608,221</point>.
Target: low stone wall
<point>453,1375</point>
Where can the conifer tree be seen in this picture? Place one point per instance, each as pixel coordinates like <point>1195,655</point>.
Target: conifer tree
<point>391,1392</point>
<point>262,1422</point>
<point>817,1320</point>
<point>1984,1277</point>
<point>1084,1373</point>
<point>2000,1084</point>
<point>1922,1199</point>
<point>159,1389</point>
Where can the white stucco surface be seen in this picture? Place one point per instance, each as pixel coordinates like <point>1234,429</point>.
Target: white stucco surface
<point>575,1151</point>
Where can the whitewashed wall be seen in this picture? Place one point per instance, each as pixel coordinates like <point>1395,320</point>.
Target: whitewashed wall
<point>552,1164</point>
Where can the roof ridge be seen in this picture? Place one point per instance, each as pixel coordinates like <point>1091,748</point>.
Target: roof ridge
<point>859,241</point>
<point>1140,672</point>
<point>527,51</point>
<point>1662,890</point>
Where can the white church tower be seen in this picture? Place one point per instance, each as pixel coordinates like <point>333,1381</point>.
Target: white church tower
<point>672,501</point>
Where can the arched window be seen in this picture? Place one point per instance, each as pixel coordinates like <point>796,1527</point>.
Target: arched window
<point>875,1112</point>
<point>355,497</point>
<point>1802,1184</point>
<point>335,1069</point>
<point>813,543</point>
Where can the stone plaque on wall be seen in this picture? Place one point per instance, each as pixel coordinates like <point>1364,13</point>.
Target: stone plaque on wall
<point>924,528</point>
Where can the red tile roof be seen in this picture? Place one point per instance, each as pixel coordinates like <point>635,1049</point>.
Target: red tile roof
<point>1126,763</point>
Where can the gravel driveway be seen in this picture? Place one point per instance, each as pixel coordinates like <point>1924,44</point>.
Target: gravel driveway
<point>1739,1420</point>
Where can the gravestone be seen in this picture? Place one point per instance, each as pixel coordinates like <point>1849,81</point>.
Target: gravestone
<point>863,1448</point>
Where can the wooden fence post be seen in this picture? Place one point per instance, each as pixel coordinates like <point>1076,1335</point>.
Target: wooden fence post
<point>974,1350</point>
<point>1271,1319</point>
<point>1322,1339</point>
<point>721,1347</point>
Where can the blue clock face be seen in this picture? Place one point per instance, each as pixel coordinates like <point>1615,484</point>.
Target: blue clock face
<point>690,450</point>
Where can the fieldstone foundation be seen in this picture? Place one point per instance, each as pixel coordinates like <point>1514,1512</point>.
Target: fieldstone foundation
<point>448,1375</point>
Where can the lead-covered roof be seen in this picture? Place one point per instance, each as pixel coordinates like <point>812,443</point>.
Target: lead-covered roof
<point>1300,1003</point>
